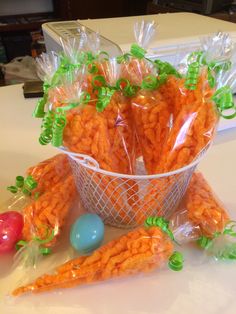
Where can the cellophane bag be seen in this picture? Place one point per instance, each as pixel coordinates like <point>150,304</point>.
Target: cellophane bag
<point>203,219</point>
<point>52,193</point>
<point>139,251</point>
<point>195,108</point>
<point>201,213</point>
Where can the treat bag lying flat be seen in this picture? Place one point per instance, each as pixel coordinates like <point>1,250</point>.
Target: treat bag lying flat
<point>47,214</point>
<point>200,213</point>
<point>202,218</point>
<point>139,251</point>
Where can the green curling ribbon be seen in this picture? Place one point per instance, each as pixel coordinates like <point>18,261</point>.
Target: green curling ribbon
<point>124,58</point>
<point>93,69</point>
<point>192,76</point>
<point>149,82</point>
<point>160,222</point>
<point>85,97</point>
<point>103,53</point>
<point>90,57</point>
<point>25,185</point>
<point>229,251</point>
<point>45,137</point>
<point>128,90</point>
<point>42,250</point>
<point>57,130</point>
<point>152,82</point>
<point>20,244</point>
<point>229,229</point>
<point>104,97</point>
<point>204,242</point>
<point>19,181</point>
<point>13,189</point>
<point>176,261</point>
<point>166,68</point>
<point>100,79</point>
<point>47,124</point>
<point>39,109</point>
<point>224,101</point>
<point>137,52</point>
<point>30,183</point>
<point>211,79</point>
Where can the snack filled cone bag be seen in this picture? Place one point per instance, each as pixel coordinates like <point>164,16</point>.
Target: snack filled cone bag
<point>139,251</point>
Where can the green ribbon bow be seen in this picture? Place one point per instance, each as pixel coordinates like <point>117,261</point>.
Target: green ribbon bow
<point>126,88</point>
<point>53,125</point>
<point>42,249</point>
<point>176,259</point>
<point>25,185</point>
<point>193,70</point>
<point>152,82</point>
<point>135,51</point>
<point>166,68</point>
<point>229,251</point>
<point>224,101</point>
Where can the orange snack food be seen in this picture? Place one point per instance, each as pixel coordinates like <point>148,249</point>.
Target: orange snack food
<point>141,250</point>
<point>151,117</point>
<point>49,172</point>
<point>203,208</point>
<point>49,211</point>
<point>193,128</point>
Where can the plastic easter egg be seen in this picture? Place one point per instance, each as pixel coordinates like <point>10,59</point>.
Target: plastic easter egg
<point>11,225</point>
<point>87,233</point>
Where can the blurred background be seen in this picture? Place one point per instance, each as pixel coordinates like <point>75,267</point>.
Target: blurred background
<point>21,36</point>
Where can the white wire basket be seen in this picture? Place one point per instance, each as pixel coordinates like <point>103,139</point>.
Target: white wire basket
<point>125,201</point>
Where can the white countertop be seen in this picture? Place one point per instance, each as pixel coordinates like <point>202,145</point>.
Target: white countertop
<point>204,286</point>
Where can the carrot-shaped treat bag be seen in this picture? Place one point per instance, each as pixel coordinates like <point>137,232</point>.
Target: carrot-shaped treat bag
<point>203,219</point>
<point>51,201</point>
<point>150,111</point>
<point>205,101</point>
<point>139,251</point>
<point>200,215</point>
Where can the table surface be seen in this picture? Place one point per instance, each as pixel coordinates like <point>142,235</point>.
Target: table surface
<point>204,286</point>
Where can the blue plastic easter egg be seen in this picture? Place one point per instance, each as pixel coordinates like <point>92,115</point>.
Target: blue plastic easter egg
<point>87,233</point>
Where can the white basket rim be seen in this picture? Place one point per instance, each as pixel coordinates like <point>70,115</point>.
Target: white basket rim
<point>131,176</point>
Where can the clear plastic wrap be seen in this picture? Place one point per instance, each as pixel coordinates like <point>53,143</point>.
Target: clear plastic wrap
<point>51,193</point>
<point>139,251</point>
<point>133,66</point>
<point>199,214</point>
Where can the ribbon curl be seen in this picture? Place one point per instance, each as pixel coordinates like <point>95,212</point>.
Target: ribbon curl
<point>228,251</point>
<point>223,99</point>
<point>24,185</point>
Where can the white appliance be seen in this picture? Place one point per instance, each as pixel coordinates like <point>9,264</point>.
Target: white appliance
<point>174,31</point>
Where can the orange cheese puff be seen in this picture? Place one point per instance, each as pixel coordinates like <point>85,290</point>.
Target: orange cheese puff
<point>49,172</point>
<point>193,128</point>
<point>138,251</point>
<point>203,208</point>
<point>113,194</point>
<point>121,134</point>
<point>174,93</point>
<point>49,211</point>
<point>151,117</point>
<point>86,132</point>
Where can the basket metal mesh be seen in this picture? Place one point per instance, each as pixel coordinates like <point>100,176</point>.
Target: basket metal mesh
<point>124,200</point>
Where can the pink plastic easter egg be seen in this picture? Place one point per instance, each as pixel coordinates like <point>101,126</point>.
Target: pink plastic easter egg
<point>11,225</point>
